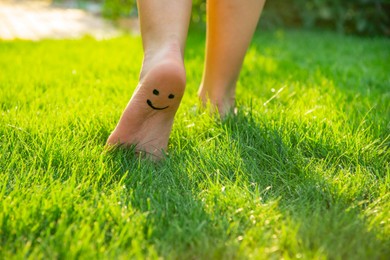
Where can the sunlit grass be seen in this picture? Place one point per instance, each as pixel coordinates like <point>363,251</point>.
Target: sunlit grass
<point>301,172</point>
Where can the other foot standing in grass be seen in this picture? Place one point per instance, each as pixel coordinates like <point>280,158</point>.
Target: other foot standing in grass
<point>230,27</point>
<point>148,118</point>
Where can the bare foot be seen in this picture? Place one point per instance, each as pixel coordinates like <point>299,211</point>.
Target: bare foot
<point>221,99</point>
<point>148,118</point>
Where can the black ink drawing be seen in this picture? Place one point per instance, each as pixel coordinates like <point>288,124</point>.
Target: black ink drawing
<point>156,92</point>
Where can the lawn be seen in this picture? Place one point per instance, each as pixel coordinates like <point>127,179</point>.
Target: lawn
<point>302,171</point>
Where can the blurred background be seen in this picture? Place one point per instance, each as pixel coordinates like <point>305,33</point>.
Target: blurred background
<point>363,17</point>
<point>29,19</point>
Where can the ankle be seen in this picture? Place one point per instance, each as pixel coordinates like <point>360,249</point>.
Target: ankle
<point>219,96</point>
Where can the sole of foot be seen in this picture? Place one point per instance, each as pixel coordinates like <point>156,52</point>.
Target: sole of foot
<point>146,122</point>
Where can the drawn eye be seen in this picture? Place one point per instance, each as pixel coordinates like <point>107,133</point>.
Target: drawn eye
<point>171,96</point>
<point>155,91</point>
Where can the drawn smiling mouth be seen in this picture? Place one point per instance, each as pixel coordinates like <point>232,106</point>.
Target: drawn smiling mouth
<point>156,108</point>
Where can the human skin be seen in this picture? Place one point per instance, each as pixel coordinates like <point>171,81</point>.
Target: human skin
<point>230,27</point>
<point>147,120</point>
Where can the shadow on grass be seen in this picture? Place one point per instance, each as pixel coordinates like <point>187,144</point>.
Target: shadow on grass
<point>177,225</point>
<point>329,222</point>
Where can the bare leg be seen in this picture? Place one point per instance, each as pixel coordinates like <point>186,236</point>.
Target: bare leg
<point>230,27</point>
<point>147,120</point>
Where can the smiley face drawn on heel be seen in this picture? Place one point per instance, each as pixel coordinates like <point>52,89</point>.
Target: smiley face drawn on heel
<point>156,93</point>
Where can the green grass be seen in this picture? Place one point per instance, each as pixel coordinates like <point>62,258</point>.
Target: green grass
<point>301,172</point>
